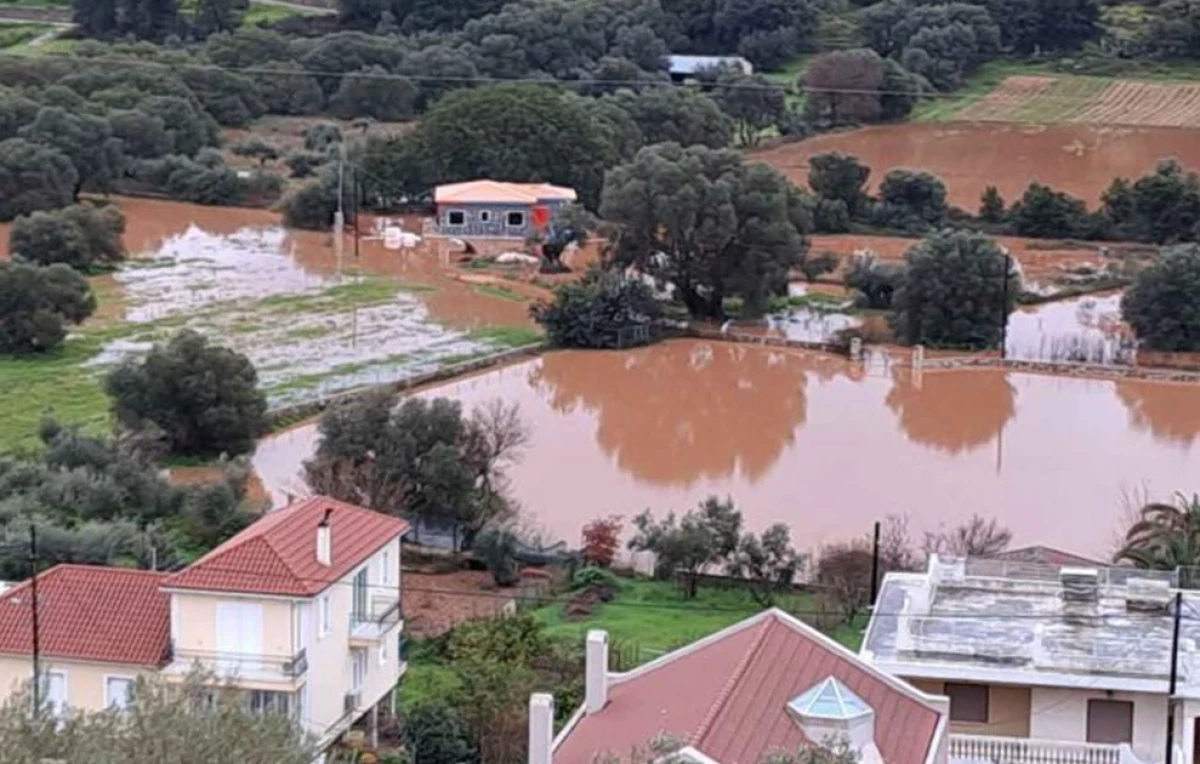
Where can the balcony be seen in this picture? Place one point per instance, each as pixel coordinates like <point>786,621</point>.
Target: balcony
<point>969,749</point>
<point>239,668</point>
<point>383,611</point>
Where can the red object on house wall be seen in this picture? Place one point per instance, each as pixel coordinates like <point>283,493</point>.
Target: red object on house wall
<point>541,216</point>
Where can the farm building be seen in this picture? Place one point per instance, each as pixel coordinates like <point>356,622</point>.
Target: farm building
<point>684,67</point>
<point>490,208</point>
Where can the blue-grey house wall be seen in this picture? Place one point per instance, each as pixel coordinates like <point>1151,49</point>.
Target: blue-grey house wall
<point>496,224</point>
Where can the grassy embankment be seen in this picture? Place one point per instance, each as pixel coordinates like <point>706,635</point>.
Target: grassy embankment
<point>648,618</point>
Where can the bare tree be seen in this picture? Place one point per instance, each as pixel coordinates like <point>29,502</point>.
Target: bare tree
<point>843,88</point>
<point>844,576</point>
<point>975,538</point>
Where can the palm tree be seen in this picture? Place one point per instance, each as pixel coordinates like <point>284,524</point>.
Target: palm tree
<point>1165,536</point>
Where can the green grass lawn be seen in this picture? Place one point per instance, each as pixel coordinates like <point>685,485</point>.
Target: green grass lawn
<point>261,13</point>
<point>12,35</point>
<point>947,106</point>
<point>58,46</point>
<point>649,618</point>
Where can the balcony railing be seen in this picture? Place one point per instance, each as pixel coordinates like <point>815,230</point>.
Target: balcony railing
<point>226,665</point>
<point>1015,750</point>
<point>383,612</point>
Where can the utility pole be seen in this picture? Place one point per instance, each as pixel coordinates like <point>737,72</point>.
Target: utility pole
<point>339,217</point>
<point>37,647</point>
<point>875,567</point>
<point>1174,678</point>
<point>356,185</point>
<point>1004,311</point>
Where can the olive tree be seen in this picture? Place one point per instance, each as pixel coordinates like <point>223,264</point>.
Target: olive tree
<point>1163,305</point>
<point>958,290</point>
<point>707,535</point>
<point>203,398</point>
<point>768,562</point>
<point>602,310</point>
<point>37,304</point>
<point>840,178</point>
<point>81,236</point>
<point>708,224</point>
<point>753,102</point>
<point>33,177</point>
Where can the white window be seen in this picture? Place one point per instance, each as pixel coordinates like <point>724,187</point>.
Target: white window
<point>485,216</point>
<point>118,692</point>
<point>239,636</point>
<point>456,217</point>
<point>359,660</point>
<point>387,567</point>
<point>359,612</point>
<point>54,692</point>
<point>515,219</point>
<point>270,702</point>
<point>323,606</point>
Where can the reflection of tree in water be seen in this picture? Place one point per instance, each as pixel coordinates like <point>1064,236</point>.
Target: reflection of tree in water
<point>952,410</point>
<point>680,411</point>
<point>1170,411</point>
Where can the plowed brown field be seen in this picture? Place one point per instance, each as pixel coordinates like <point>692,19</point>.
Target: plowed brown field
<point>1089,100</point>
<point>1079,159</point>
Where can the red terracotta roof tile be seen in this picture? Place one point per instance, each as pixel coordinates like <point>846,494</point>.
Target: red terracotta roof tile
<point>278,554</point>
<point>728,699</point>
<point>90,613</point>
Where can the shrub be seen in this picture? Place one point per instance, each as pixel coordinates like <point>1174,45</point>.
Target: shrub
<point>590,575</point>
<point>877,281</point>
<point>602,310</point>
<point>37,304</point>
<point>1163,305</point>
<point>322,136</point>
<point>991,206</point>
<point>81,236</point>
<point>303,164</point>
<point>839,176</point>
<point>435,733</point>
<point>1042,211</point>
<point>498,550</point>
<point>813,266</point>
<point>203,398</point>
<point>258,148</point>
<point>918,196</point>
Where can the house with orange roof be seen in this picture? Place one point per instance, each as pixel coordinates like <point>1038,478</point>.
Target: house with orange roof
<point>769,683</point>
<point>301,612</point>
<point>495,209</point>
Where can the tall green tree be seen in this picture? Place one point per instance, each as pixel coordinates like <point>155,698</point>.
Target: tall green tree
<point>958,290</point>
<point>1042,211</point>
<point>37,304</point>
<point>705,536</point>
<point>839,177</point>
<point>374,93</point>
<point>87,141</point>
<point>604,309</point>
<point>752,101</point>
<point>421,459</point>
<point>212,16</point>
<point>676,115</point>
<point>203,398</point>
<point>517,133</point>
<point>1163,304</point>
<point>708,224</point>
<point>34,177</point>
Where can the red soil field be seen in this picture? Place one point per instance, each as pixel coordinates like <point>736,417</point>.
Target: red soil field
<point>1079,159</point>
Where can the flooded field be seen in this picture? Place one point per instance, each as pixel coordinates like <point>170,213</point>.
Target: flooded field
<point>1082,329</point>
<point>822,444</point>
<point>1079,159</point>
<point>311,324</point>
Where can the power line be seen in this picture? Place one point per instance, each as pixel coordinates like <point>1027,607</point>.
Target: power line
<point>553,81</point>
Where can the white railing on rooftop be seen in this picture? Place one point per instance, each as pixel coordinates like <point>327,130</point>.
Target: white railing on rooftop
<point>979,567</point>
<point>1014,750</point>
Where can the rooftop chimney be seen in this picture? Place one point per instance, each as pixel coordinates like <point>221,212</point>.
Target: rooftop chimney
<point>324,541</point>
<point>541,728</point>
<point>596,674</point>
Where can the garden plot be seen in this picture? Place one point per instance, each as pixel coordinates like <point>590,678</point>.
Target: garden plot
<point>308,334</point>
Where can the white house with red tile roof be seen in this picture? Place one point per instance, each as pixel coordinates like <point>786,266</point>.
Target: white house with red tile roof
<point>301,611</point>
<point>768,683</point>
<point>99,628</point>
<point>497,209</point>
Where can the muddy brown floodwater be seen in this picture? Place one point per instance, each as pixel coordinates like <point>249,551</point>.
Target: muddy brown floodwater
<point>826,446</point>
<point>1079,159</point>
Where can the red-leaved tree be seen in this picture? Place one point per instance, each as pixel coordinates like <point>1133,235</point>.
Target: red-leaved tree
<point>600,540</point>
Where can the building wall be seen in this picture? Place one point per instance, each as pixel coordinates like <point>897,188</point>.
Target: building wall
<point>194,623</point>
<point>330,667</point>
<point>1009,710</point>
<point>496,226</point>
<point>85,680</point>
<point>1061,714</point>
